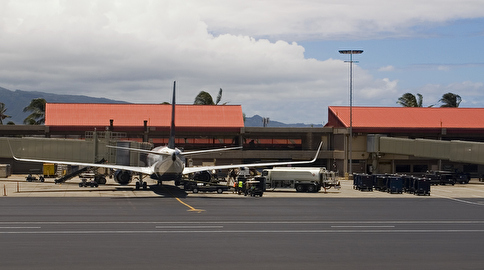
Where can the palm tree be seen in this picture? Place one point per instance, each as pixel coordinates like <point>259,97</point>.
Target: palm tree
<point>409,100</point>
<point>219,97</point>
<point>204,98</point>
<point>450,100</point>
<point>37,107</point>
<point>3,110</point>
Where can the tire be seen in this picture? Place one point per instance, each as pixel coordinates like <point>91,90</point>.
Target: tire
<point>145,186</point>
<point>311,188</point>
<point>195,190</point>
<point>137,185</point>
<point>220,191</point>
<point>300,188</point>
<point>80,185</point>
<point>102,180</point>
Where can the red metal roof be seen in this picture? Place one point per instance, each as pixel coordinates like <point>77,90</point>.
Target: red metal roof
<point>406,118</point>
<point>134,115</point>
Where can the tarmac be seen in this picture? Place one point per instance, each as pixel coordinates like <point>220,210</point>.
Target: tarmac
<point>17,186</point>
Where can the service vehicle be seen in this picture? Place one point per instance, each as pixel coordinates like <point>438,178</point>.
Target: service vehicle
<point>303,179</point>
<point>255,187</point>
<point>31,178</point>
<point>441,177</point>
<point>85,182</point>
<point>204,187</point>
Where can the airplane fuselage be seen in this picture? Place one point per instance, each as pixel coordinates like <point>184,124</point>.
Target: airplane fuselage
<point>168,166</point>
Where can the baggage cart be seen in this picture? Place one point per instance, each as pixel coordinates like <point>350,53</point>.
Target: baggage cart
<point>421,186</point>
<point>394,184</point>
<point>363,182</point>
<point>380,182</point>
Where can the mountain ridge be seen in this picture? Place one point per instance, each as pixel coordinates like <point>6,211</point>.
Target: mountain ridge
<point>16,101</point>
<point>256,121</point>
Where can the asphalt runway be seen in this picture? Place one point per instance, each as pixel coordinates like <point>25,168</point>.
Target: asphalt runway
<point>174,232</point>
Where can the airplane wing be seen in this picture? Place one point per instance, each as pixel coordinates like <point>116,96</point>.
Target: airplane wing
<point>210,150</point>
<point>184,153</point>
<point>188,170</point>
<point>138,150</point>
<point>144,170</point>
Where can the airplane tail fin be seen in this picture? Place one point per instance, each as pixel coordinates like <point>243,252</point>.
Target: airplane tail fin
<point>171,141</point>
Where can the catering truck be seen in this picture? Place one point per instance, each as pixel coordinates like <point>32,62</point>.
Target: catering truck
<point>303,179</point>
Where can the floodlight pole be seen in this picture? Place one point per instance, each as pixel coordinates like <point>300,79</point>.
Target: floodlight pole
<point>351,52</point>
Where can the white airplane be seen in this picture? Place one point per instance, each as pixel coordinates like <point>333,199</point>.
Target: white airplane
<point>165,163</point>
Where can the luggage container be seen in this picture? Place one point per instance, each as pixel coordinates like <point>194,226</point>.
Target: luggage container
<point>363,182</point>
<point>407,183</point>
<point>421,186</point>
<point>356,179</point>
<point>49,170</point>
<point>5,170</point>
<point>394,184</point>
<point>380,182</point>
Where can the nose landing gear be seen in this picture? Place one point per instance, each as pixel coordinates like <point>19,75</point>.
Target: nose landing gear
<point>140,183</point>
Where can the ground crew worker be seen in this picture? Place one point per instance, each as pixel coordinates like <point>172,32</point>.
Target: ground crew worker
<point>241,186</point>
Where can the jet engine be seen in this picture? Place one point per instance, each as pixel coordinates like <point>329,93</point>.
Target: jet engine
<point>123,177</point>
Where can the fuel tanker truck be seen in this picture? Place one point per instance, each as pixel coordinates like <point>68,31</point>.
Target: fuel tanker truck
<point>303,179</point>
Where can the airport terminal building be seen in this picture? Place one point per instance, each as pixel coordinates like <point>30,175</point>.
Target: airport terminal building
<point>377,139</point>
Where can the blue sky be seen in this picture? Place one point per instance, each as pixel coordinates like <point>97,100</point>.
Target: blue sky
<point>275,58</point>
<point>440,55</point>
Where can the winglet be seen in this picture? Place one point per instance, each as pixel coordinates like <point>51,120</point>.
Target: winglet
<point>317,153</point>
<point>11,151</point>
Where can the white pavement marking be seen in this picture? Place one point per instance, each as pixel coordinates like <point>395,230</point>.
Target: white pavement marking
<point>460,200</point>
<point>189,227</point>
<point>362,226</point>
<point>200,223</point>
<point>20,227</point>
<point>244,231</point>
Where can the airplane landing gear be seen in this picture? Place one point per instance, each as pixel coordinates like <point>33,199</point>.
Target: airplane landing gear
<point>141,184</point>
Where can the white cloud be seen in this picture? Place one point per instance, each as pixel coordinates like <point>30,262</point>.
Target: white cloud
<point>331,18</point>
<point>443,68</point>
<point>133,50</point>
<point>386,69</point>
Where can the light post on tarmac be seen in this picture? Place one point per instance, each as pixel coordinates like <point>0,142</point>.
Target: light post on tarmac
<point>351,52</point>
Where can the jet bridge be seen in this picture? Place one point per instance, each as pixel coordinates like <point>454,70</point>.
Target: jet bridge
<point>74,150</point>
<point>455,151</point>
